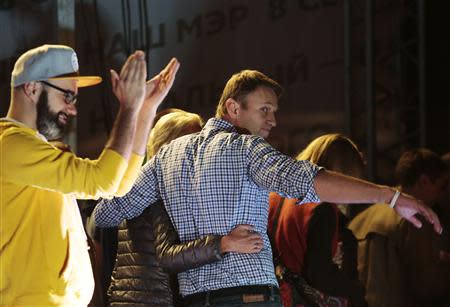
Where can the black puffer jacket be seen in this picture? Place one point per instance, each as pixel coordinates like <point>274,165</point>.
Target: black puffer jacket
<point>148,249</point>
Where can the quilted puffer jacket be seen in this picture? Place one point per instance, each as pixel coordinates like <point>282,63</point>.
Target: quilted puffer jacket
<point>149,254</point>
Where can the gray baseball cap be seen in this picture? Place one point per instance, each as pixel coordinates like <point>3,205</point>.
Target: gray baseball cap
<point>49,62</point>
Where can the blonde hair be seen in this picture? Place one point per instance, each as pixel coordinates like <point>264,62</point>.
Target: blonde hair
<point>170,126</point>
<point>334,152</point>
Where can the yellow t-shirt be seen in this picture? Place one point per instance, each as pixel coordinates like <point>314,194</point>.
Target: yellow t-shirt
<point>43,251</point>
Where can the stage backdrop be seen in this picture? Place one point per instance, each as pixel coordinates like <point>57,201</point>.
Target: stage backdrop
<point>297,42</point>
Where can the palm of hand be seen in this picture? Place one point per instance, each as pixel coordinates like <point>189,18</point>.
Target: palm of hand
<point>158,87</point>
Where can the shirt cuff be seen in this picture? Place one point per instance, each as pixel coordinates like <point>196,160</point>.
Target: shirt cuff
<point>311,196</point>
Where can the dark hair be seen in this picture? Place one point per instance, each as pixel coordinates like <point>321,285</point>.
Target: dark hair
<point>416,162</point>
<point>243,83</point>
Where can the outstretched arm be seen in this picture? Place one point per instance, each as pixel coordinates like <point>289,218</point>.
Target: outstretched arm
<point>338,188</point>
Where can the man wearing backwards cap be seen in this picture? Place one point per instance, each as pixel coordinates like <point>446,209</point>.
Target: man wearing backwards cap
<point>43,250</point>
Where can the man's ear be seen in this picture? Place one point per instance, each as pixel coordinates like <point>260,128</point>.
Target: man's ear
<point>232,107</point>
<point>32,90</point>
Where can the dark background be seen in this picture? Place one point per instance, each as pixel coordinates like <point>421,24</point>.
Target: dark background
<point>300,43</point>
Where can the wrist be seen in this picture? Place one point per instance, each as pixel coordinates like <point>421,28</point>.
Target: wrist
<point>146,118</point>
<point>386,195</point>
<point>225,244</point>
<point>128,111</point>
<point>149,108</point>
<point>394,198</point>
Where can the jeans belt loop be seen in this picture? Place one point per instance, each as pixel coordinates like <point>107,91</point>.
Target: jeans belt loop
<point>272,294</point>
<point>207,302</point>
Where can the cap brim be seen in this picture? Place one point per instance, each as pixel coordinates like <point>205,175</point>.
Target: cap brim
<point>83,81</point>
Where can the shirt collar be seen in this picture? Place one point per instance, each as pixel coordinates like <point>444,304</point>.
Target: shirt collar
<point>219,124</point>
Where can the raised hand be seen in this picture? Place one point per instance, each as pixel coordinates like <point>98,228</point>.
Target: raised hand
<point>130,86</point>
<point>158,87</point>
<point>242,239</point>
<point>408,206</point>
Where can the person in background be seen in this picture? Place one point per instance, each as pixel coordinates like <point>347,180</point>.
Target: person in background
<point>398,264</point>
<point>442,209</point>
<point>306,239</point>
<point>148,245</point>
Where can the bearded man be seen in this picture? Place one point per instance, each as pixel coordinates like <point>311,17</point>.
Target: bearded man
<point>43,249</point>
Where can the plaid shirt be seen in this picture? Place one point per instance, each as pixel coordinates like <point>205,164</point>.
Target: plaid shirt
<point>210,182</point>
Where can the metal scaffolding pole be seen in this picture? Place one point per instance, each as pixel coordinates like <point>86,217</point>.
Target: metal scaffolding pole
<point>421,73</point>
<point>392,78</point>
<point>370,101</point>
<point>66,35</point>
<point>347,68</point>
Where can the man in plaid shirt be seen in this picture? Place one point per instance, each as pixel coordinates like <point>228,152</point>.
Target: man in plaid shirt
<point>218,178</point>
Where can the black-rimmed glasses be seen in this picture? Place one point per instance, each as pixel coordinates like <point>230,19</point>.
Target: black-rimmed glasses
<point>69,96</point>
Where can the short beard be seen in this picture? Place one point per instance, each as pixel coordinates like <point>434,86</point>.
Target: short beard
<point>47,122</point>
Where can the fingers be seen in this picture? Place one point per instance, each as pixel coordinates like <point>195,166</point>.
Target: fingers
<point>139,74</point>
<point>158,87</point>
<point>130,69</point>
<point>141,71</point>
<point>124,72</point>
<point>150,85</point>
<point>114,78</point>
<point>429,215</point>
<point>438,227</point>
<point>432,217</point>
<point>254,237</point>
<point>170,68</point>
<point>175,65</point>
<point>169,72</point>
<point>129,87</point>
<point>415,221</point>
<point>242,230</point>
<point>407,206</point>
<point>244,227</point>
<point>136,68</point>
<point>253,244</point>
<point>250,242</point>
<point>133,70</point>
<point>144,69</point>
<point>139,54</point>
